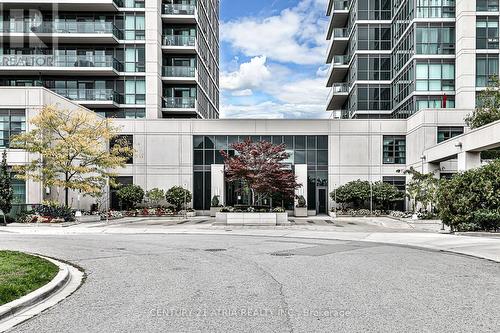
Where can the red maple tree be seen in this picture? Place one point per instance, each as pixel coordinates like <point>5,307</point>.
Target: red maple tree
<point>260,167</point>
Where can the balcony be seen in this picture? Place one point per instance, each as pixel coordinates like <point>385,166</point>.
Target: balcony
<point>179,103</point>
<point>179,74</point>
<point>66,32</point>
<point>338,69</point>
<point>60,64</point>
<point>178,43</point>
<point>179,13</point>
<point>338,96</point>
<point>65,5</point>
<point>92,97</point>
<point>338,43</point>
<point>339,15</point>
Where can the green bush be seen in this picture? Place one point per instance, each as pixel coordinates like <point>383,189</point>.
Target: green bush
<point>130,196</point>
<point>155,196</point>
<point>215,201</point>
<point>301,202</point>
<point>54,210</point>
<point>487,219</point>
<point>177,196</point>
<point>470,200</point>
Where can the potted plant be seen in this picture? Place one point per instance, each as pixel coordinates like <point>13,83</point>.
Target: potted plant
<point>301,207</point>
<point>215,206</point>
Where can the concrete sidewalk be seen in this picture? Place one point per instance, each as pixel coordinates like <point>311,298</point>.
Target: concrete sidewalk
<point>481,247</point>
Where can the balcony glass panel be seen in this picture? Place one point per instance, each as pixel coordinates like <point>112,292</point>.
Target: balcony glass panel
<point>179,102</point>
<point>41,60</point>
<point>179,9</point>
<point>174,40</point>
<point>101,95</point>
<point>179,71</point>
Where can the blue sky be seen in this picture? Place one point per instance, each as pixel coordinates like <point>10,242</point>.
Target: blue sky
<point>273,58</point>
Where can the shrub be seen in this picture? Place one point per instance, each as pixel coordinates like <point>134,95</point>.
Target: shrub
<point>177,196</point>
<point>215,201</point>
<point>487,219</point>
<point>467,200</point>
<point>54,210</point>
<point>130,196</point>
<point>227,209</point>
<point>301,202</point>
<point>155,196</point>
<point>279,210</point>
<point>354,193</point>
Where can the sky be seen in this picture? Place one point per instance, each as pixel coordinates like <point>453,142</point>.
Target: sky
<point>273,55</point>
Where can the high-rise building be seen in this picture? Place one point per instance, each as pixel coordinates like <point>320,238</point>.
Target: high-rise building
<point>392,58</point>
<point>121,58</point>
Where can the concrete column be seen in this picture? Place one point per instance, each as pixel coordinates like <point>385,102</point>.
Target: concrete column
<point>154,62</point>
<point>468,160</point>
<point>465,68</point>
<point>218,183</point>
<point>301,173</point>
<point>432,167</point>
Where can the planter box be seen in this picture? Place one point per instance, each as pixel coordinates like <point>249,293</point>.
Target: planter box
<point>332,214</point>
<point>191,214</point>
<point>89,218</point>
<point>300,212</point>
<point>214,211</point>
<point>252,219</point>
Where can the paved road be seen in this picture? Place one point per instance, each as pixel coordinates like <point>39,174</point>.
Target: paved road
<point>171,283</point>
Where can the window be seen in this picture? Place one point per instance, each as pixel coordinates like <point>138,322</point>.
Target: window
<point>119,182</point>
<point>135,27</point>
<point>374,37</point>
<point>124,140</point>
<point>135,59</point>
<point>12,122</point>
<point>435,76</point>
<point>19,191</point>
<point>435,8</point>
<point>487,32</point>
<point>487,5</point>
<point>135,91</point>
<point>394,150</point>
<point>374,67</point>
<point>374,97</point>
<point>435,102</point>
<point>446,133</point>
<point>434,39</point>
<point>374,10</point>
<point>486,69</point>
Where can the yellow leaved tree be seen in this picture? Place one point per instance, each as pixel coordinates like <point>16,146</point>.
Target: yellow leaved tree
<point>71,150</point>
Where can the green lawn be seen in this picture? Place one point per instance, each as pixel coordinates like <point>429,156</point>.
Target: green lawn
<point>21,273</point>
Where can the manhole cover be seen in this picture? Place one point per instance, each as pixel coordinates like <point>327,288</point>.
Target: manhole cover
<point>215,250</point>
<point>282,254</point>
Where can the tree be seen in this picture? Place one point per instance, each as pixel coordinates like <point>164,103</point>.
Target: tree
<point>422,188</point>
<point>488,109</point>
<point>155,196</point>
<point>130,196</point>
<point>385,194</point>
<point>73,150</point>
<point>260,167</point>
<point>6,191</point>
<point>178,196</point>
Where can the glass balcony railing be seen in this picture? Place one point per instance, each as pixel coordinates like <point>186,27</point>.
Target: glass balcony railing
<point>340,33</point>
<point>43,60</point>
<point>177,40</point>
<point>179,71</point>
<point>63,28</point>
<point>341,5</point>
<point>341,60</point>
<point>98,95</point>
<point>179,102</point>
<point>339,88</point>
<point>118,3</point>
<point>179,9</point>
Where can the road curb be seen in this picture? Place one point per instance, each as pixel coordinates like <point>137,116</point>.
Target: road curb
<point>30,305</point>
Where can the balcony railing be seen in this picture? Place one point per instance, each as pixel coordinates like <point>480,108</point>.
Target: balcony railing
<point>179,71</point>
<point>179,9</point>
<point>340,33</point>
<point>341,5</point>
<point>118,3</point>
<point>175,40</point>
<point>341,60</point>
<point>43,60</point>
<point>99,95</point>
<point>179,102</point>
<point>339,88</point>
<point>63,28</point>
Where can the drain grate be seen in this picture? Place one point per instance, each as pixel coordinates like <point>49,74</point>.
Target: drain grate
<point>215,250</point>
<point>282,254</point>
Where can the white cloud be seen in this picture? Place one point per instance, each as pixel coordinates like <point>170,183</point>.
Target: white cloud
<point>249,75</point>
<point>242,93</point>
<point>272,110</point>
<point>296,35</point>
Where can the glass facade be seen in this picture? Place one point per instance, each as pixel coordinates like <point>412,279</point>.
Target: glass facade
<point>486,69</point>
<point>310,150</point>
<point>487,32</point>
<point>446,133</point>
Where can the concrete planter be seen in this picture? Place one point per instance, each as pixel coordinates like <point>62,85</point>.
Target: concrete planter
<point>89,218</point>
<point>191,214</point>
<point>252,219</point>
<point>332,214</point>
<point>214,211</point>
<point>300,212</point>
